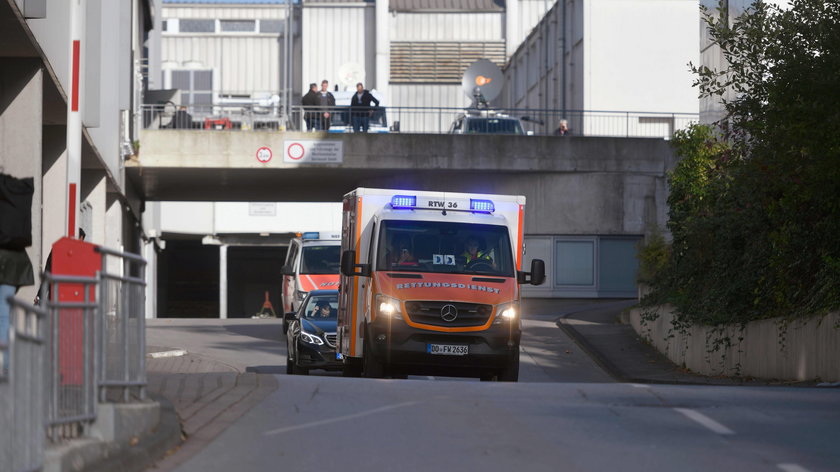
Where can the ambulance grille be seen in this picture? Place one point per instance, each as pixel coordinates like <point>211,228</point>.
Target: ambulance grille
<point>429,313</point>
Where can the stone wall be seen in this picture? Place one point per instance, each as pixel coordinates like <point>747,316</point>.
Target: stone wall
<point>803,350</point>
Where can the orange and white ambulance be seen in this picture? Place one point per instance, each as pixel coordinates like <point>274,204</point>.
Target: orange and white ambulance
<point>430,283</point>
<point>312,263</point>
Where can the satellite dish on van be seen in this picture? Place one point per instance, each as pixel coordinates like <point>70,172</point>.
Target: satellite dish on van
<point>350,74</point>
<point>483,82</point>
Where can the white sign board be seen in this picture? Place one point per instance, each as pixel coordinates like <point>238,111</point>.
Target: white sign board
<point>262,209</point>
<point>313,152</point>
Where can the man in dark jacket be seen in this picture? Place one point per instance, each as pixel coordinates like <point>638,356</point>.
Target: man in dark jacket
<point>326,102</point>
<point>360,111</point>
<point>309,101</point>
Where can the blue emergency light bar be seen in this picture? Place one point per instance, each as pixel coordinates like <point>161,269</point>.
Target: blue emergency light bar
<point>482,206</point>
<point>311,235</point>
<point>403,201</point>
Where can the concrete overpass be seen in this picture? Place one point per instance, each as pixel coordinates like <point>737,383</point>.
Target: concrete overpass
<point>589,199</point>
<point>574,184</point>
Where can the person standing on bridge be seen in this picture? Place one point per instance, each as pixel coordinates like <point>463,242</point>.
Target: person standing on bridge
<point>326,101</point>
<point>360,111</point>
<point>309,101</point>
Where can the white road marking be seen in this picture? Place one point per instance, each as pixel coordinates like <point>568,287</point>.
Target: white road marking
<point>338,419</point>
<point>173,353</point>
<point>705,421</point>
<point>640,385</point>
<point>792,468</point>
<point>430,377</point>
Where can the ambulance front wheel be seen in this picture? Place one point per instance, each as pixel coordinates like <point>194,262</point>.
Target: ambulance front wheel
<point>510,373</point>
<point>373,367</point>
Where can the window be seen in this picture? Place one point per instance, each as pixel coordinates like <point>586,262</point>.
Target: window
<point>618,264</point>
<point>197,26</point>
<point>238,26</point>
<point>196,86</point>
<point>320,260</point>
<point>163,26</point>
<point>575,263</point>
<point>272,26</point>
<point>443,247</point>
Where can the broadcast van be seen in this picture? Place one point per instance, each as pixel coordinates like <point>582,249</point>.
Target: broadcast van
<point>430,284</point>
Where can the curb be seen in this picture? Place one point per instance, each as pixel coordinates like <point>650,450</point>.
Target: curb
<point>135,455</point>
<point>602,361</point>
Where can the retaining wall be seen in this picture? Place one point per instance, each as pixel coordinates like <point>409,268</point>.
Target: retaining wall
<point>804,350</point>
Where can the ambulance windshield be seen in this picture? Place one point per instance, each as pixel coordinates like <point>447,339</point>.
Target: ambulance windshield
<point>320,260</point>
<point>442,247</point>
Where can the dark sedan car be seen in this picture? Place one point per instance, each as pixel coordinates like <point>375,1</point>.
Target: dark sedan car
<point>311,335</point>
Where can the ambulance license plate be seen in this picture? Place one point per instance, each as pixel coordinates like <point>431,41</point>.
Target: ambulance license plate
<point>447,349</point>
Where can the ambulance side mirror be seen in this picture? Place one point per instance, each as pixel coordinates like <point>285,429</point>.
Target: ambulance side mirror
<point>536,276</point>
<point>349,266</point>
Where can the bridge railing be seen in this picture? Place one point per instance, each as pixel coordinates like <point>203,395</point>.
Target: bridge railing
<point>431,120</point>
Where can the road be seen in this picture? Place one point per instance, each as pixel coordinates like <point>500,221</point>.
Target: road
<point>564,414</point>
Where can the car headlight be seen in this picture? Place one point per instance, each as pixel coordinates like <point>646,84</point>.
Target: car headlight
<point>507,312</point>
<point>300,295</point>
<point>310,338</point>
<point>388,307</point>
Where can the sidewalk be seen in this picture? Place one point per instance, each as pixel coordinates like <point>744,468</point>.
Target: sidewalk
<point>625,356</point>
<point>208,396</point>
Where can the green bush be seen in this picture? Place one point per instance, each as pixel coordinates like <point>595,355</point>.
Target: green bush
<point>754,210</point>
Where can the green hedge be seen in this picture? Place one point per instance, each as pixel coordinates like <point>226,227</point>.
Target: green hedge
<point>754,205</point>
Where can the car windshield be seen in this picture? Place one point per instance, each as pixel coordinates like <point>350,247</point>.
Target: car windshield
<point>320,260</point>
<point>494,126</point>
<point>341,117</point>
<point>321,307</point>
<point>442,247</point>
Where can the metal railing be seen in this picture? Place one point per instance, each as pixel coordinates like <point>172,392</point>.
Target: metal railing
<point>72,355</point>
<point>22,389</point>
<point>431,120</point>
<point>84,345</point>
<point>123,334</point>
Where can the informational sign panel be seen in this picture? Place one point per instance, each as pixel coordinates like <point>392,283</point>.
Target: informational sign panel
<point>262,209</point>
<point>314,152</point>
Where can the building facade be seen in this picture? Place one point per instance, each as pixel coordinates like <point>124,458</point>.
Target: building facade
<point>35,70</point>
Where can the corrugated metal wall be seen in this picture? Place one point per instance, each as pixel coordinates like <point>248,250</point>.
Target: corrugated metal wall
<point>530,14</point>
<point>533,78</point>
<point>336,35</point>
<point>426,95</point>
<point>447,27</point>
<point>239,12</point>
<point>242,63</point>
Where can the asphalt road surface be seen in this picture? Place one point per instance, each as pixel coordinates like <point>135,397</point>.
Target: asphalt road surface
<point>564,414</point>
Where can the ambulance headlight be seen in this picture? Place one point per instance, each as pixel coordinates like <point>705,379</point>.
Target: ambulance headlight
<point>507,312</point>
<point>388,307</point>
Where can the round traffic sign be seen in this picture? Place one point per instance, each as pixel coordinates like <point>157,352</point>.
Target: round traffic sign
<point>296,151</point>
<point>264,154</point>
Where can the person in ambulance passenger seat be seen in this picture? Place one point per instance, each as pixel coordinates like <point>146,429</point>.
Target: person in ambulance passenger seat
<point>401,255</point>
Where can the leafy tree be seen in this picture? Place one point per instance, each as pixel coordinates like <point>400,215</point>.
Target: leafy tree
<point>755,203</point>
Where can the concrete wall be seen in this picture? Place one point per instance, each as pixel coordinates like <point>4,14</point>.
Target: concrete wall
<point>811,348</point>
<point>21,91</point>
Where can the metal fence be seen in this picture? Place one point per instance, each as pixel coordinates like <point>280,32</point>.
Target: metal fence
<point>72,355</point>
<point>84,345</point>
<point>123,327</point>
<point>22,389</point>
<point>431,120</point>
